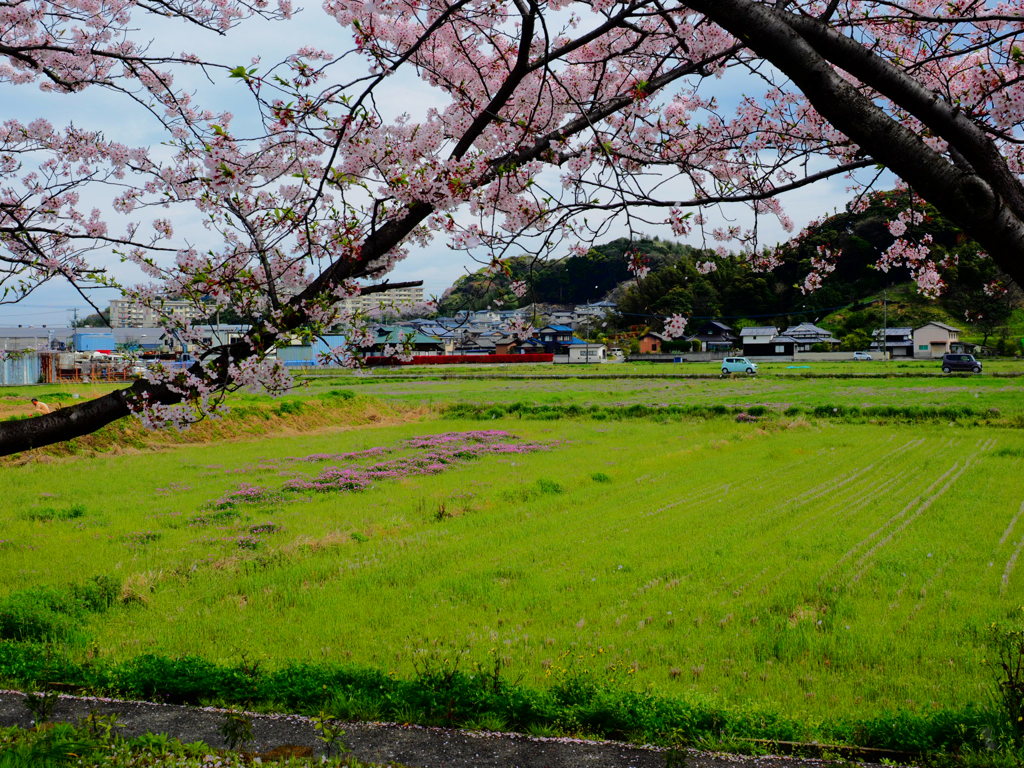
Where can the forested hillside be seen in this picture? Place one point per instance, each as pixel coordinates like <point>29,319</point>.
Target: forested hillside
<point>977,293</point>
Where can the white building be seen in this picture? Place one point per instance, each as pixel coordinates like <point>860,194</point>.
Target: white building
<point>586,353</point>
<point>126,313</point>
<point>396,298</point>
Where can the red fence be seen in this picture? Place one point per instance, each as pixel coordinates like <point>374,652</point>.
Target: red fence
<point>531,357</point>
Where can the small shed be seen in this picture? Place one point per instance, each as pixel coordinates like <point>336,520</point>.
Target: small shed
<point>651,343</point>
<point>585,352</point>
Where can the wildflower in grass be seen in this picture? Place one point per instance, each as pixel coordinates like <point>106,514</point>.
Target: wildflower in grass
<point>440,452</point>
<point>349,456</point>
<point>246,493</point>
<point>173,488</point>
<point>446,438</point>
<point>140,537</point>
<point>264,528</point>
<point>435,453</point>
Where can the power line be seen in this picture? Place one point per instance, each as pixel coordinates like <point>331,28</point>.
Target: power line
<point>816,311</point>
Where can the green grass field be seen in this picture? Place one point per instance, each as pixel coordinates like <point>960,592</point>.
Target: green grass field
<point>815,568</point>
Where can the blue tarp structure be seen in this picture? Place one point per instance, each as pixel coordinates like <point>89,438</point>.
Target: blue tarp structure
<point>93,342</point>
<point>308,355</point>
<point>322,346</point>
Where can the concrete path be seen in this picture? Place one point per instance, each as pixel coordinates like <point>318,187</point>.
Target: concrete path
<point>413,746</point>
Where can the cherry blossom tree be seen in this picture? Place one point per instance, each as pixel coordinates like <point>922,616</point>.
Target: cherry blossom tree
<point>551,121</point>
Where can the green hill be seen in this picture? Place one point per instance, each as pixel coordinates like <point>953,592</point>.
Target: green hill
<point>853,299</point>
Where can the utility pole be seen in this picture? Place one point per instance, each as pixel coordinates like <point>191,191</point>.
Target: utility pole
<point>885,323</point>
<point>74,316</point>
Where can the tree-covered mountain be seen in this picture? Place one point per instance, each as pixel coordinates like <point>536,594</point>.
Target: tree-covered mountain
<point>856,296</point>
<point>572,280</point>
<point>977,292</point>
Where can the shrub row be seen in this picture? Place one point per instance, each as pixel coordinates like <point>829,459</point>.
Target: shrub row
<point>877,413</point>
<point>579,704</point>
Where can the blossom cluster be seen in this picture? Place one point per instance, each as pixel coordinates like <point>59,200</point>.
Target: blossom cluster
<point>675,326</point>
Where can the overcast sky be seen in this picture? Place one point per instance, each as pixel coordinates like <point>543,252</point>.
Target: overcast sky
<point>435,265</point>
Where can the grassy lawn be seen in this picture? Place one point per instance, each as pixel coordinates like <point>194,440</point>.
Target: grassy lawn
<point>815,568</point>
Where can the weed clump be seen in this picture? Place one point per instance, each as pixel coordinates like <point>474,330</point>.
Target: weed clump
<point>49,514</point>
<point>1006,648</point>
<point>48,614</point>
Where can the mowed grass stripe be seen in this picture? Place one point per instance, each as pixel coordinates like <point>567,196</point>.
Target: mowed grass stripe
<point>944,561</point>
<point>789,522</point>
<point>1004,582</point>
<point>1012,524</point>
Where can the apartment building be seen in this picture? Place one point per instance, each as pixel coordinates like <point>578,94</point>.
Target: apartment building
<point>125,313</point>
<point>396,298</point>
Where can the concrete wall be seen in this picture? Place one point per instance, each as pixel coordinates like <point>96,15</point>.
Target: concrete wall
<point>715,357</point>
<point>827,356</point>
<point>671,357</point>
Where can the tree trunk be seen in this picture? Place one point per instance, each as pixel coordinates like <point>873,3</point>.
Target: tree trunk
<point>63,423</point>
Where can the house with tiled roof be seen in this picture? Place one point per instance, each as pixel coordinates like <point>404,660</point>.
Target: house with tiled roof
<point>757,340</point>
<point>806,335</point>
<point>555,336</point>
<point>409,338</point>
<point>896,342</point>
<point>715,337</point>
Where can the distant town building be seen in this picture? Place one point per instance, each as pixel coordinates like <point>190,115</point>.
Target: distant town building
<point>597,310</point>
<point>394,299</point>
<point>806,335</point>
<point>127,313</point>
<point>757,340</point>
<point>35,337</point>
<point>715,337</point>
<point>651,343</point>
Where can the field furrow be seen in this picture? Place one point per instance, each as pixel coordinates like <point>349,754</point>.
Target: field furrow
<point>1011,525</point>
<point>1004,583</point>
<point>901,521</point>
